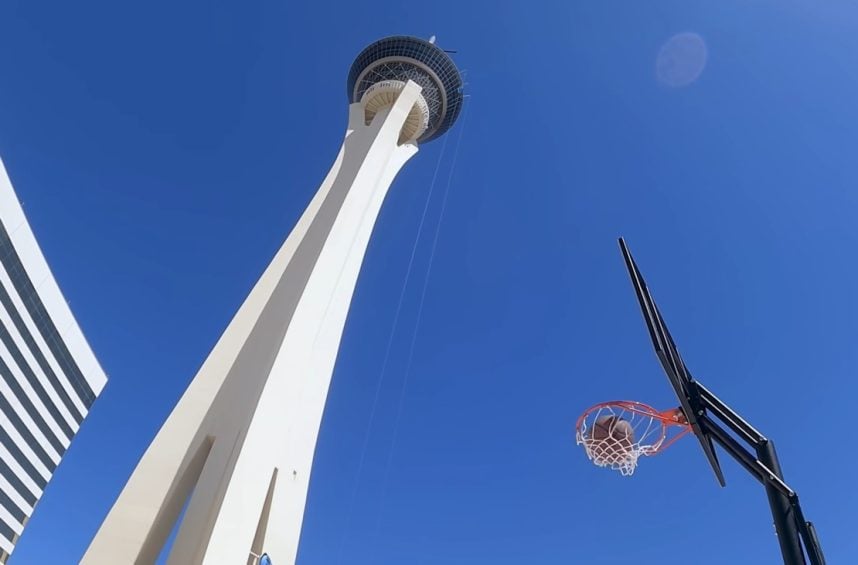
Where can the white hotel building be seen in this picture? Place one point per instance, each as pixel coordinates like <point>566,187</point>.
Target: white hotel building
<point>49,377</point>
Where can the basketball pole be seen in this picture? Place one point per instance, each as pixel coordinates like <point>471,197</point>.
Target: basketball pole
<point>786,524</point>
<point>706,414</point>
<point>790,525</point>
<point>783,501</point>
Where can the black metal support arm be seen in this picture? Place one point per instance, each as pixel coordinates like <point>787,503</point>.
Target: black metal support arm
<point>706,414</point>
<point>795,534</point>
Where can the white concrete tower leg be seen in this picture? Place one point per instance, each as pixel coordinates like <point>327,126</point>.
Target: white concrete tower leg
<point>290,493</point>
<point>239,446</point>
<point>257,401</point>
<point>140,520</point>
<point>289,411</point>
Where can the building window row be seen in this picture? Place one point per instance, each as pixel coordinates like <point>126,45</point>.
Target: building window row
<point>38,355</point>
<point>35,415</point>
<point>12,263</point>
<point>17,483</point>
<point>12,508</point>
<point>28,436</point>
<point>22,460</point>
<point>25,368</point>
<point>7,532</point>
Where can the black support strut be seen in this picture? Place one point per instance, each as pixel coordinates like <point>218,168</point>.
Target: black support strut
<point>712,421</point>
<point>786,524</point>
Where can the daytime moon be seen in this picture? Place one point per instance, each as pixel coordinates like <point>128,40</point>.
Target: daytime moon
<point>681,59</point>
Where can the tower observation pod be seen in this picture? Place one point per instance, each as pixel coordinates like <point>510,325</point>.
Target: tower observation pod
<point>237,451</point>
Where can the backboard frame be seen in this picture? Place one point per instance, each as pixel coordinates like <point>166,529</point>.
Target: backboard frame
<point>677,373</point>
<point>706,414</point>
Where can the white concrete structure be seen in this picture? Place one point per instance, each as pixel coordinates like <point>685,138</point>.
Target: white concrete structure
<point>238,448</point>
<point>49,376</point>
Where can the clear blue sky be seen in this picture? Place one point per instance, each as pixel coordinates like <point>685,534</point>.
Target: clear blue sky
<point>163,151</point>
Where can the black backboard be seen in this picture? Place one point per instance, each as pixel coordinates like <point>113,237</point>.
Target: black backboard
<point>677,373</point>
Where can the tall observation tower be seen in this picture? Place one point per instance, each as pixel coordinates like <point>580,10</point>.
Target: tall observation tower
<point>237,450</point>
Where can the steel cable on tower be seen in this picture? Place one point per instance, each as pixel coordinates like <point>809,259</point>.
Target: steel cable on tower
<point>388,349</point>
<point>417,323</point>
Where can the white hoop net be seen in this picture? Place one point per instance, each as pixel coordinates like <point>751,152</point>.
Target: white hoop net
<point>617,434</point>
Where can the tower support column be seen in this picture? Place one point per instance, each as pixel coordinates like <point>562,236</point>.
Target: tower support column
<point>237,450</point>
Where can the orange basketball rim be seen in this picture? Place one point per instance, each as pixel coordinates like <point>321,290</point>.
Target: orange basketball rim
<point>616,434</point>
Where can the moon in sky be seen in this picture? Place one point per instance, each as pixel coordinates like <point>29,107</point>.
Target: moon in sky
<point>681,59</point>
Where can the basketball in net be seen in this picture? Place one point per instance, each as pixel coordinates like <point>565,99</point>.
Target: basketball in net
<point>616,434</point>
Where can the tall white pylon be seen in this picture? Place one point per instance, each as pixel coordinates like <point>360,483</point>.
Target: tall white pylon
<point>238,447</point>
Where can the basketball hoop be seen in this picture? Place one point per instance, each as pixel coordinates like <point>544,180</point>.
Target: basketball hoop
<point>616,434</point>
